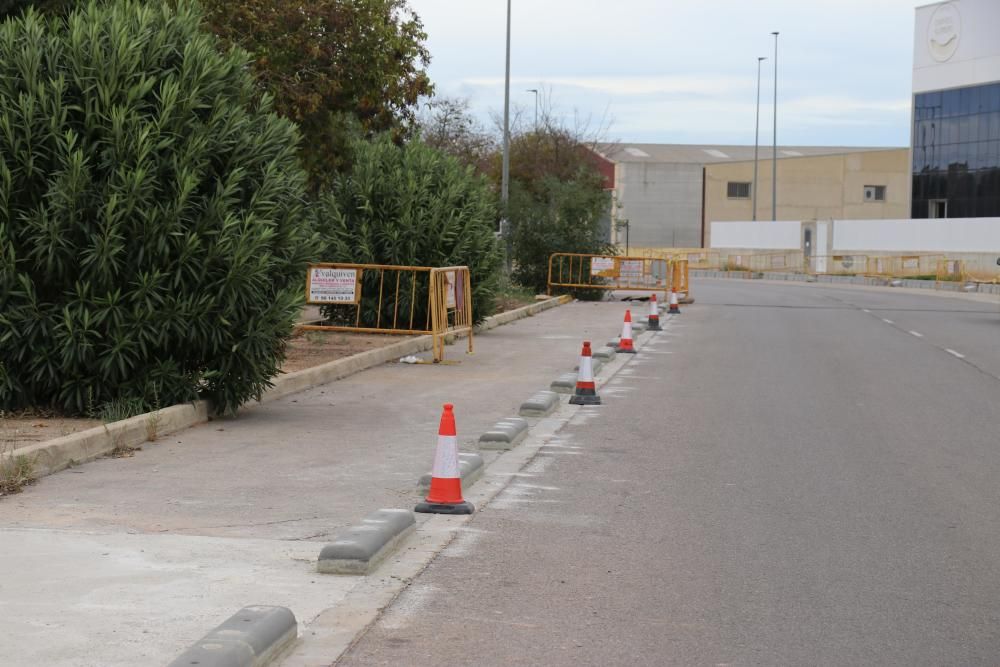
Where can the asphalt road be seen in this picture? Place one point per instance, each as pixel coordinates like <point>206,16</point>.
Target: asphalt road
<point>781,478</point>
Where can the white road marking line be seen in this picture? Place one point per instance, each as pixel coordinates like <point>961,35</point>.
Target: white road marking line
<point>917,334</point>
<point>887,321</point>
<point>865,310</point>
<point>954,353</point>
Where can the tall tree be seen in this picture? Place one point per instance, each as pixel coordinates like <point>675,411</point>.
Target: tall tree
<point>332,66</point>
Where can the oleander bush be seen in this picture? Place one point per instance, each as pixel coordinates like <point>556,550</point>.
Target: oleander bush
<point>411,205</point>
<point>153,227</point>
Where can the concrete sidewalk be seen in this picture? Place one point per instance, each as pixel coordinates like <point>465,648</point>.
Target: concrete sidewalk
<point>128,561</point>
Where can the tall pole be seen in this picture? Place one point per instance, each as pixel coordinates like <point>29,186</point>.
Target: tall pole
<point>774,154</point>
<point>505,169</point>
<point>535,91</point>
<point>505,172</point>
<point>756,139</point>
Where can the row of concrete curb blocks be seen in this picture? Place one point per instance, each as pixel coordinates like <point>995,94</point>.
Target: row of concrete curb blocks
<point>541,404</point>
<point>360,548</point>
<point>505,434</point>
<point>470,467</point>
<point>253,637</point>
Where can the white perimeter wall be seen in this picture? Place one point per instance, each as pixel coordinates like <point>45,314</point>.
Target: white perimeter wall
<point>949,235</point>
<point>757,235</point>
<point>958,235</point>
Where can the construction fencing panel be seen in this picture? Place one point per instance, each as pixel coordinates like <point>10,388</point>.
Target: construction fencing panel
<point>839,265</point>
<point>982,269</point>
<point>777,262</point>
<point>389,299</point>
<point>950,270</point>
<point>697,258</point>
<point>903,266</point>
<point>608,272</point>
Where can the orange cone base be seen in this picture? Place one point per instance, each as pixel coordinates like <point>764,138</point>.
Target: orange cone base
<point>674,310</point>
<point>584,399</point>
<point>625,350</point>
<point>427,507</point>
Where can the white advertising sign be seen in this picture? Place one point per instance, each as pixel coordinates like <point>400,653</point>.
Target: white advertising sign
<point>333,285</point>
<point>599,265</point>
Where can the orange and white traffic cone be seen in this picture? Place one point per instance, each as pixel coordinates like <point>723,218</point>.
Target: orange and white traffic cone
<point>586,388</point>
<point>625,344</point>
<point>445,495</point>
<point>654,314</point>
<point>674,308</point>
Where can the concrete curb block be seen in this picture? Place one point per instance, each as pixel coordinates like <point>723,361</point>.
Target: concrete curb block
<point>471,466</point>
<point>505,434</point>
<point>606,353</point>
<point>360,548</point>
<point>564,384</point>
<point>253,637</point>
<point>540,405</point>
<point>57,454</point>
<point>638,326</point>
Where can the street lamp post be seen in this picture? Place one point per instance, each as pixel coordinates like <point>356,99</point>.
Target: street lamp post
<point>535,91</point>
<point>756,139</point>
<point>774,155</point>
<point>505,168</point>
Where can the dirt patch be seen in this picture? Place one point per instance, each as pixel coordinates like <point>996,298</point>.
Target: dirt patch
<point>312,348</point>
<point>22,430</point>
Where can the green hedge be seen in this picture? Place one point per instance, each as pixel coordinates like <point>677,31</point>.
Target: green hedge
<point>153,230</point>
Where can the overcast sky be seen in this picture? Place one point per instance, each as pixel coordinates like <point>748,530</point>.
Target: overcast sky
<point>684,71</point>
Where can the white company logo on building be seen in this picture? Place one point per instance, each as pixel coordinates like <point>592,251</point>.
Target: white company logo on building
<point>944,32</point>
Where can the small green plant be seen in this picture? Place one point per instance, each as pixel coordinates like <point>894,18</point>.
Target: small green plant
<point>16,472</point>
<point>120,409</point>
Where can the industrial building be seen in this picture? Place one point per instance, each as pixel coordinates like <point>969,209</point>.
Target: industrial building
<point>956,110</point>
<point>660,189</point>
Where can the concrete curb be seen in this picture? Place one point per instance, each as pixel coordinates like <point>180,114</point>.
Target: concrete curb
<point>253,637</point>
<point>471,466</point>
<point>360,548</point>
<point>505,434</point>
<point>540,405</point>
<point>54,455</point>
<point>564,384</point>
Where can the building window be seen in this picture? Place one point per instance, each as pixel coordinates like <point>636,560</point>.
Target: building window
<point>874,193</point>
<point>738,190</point>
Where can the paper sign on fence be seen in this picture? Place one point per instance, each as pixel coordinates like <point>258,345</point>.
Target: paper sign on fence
<point>333,285</point>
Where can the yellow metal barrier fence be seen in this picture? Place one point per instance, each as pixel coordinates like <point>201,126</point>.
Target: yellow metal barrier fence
<point>950,270</point>
<point>903,266</point>
<point>698,258</point>
<point>838,265</point>
<point>389,299</point>
<point>609,272</point>
<point>982,269</point>
<point>780,262</point>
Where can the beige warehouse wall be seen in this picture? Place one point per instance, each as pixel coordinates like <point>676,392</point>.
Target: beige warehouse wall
<point>814,188</point>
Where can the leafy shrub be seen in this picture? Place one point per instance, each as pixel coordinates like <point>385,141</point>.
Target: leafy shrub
<point>557,215</point>
<point>152,224</point>
<point>412,205</point>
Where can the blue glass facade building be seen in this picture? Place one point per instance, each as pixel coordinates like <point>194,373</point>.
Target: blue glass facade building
<point>956,153</point>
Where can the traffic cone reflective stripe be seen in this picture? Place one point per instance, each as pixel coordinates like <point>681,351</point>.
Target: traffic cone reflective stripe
<point>445,495</point>
<point>654,314</point>
<point>674,308</point>
<point>586,388</point>
<point>625,344</point>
